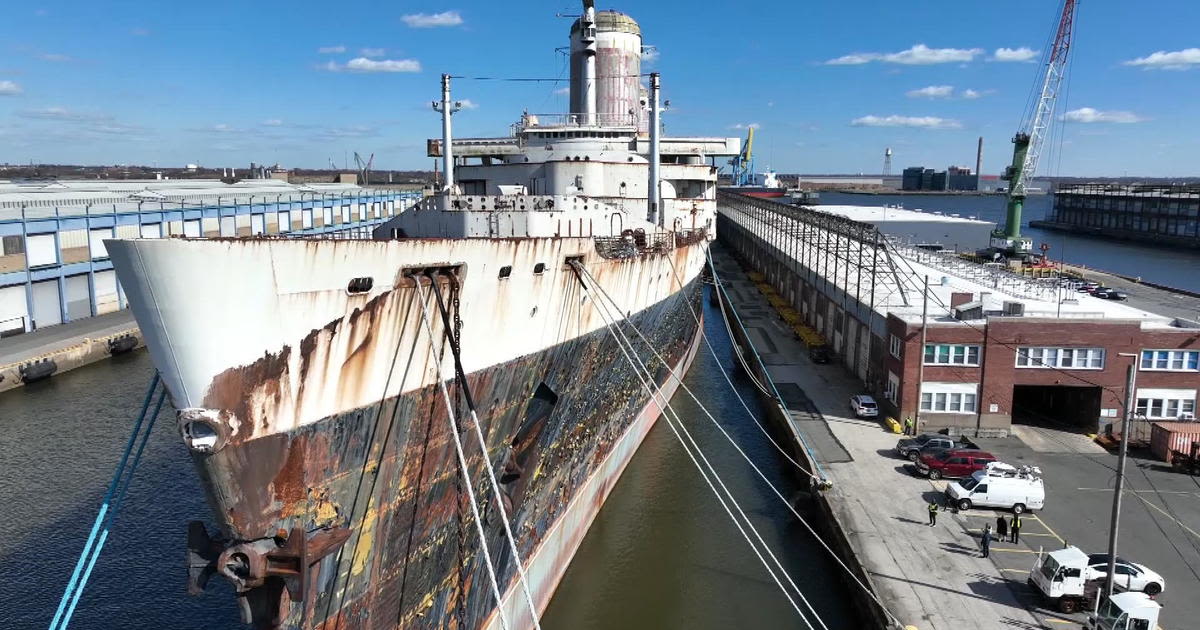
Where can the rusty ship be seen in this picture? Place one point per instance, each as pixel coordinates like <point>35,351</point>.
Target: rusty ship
<point>415,430</point>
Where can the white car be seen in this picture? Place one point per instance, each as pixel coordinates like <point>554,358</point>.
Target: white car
<point>1128,576</point>
<point>864,406</point>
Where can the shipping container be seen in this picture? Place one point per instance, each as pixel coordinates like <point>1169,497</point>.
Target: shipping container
<point>1173,436</point>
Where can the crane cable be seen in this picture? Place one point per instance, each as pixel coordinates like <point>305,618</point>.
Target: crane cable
<point>462,465</point>
<point>790,507</point>
<point>491,473</point>
<point>676,426</point>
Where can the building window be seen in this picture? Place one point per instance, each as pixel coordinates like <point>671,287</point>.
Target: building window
<point>1064,358</point>
<point>1166,408</point>
<point>895,346</point>
<point>1171,360</point>
<point>948,397</point>
<point>945,354</point>
<point>893,388</point>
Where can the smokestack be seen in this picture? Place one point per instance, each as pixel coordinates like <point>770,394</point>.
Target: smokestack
<point>979,159</point>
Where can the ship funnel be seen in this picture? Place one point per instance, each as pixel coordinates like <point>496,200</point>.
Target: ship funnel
<point>606,66</point>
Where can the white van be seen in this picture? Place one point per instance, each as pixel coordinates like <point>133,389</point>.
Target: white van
<point>999,486</point>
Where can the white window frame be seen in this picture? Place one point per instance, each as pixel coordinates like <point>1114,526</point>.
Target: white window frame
<point>1165,404</point>
<point>1055,357</point>
<point>953,354</point>
<point>957,398</point>
<point>895,346</point>
<point>892,390</point>
<point>1169,360</point>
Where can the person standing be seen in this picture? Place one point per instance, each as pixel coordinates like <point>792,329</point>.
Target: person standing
<point>1001,528</point>
<point>985,541</point>
<point>933,510</point>
<point>908,426</point>
<point>1015,529</point>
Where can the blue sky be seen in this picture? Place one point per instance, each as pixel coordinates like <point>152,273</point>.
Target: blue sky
<point>829,84</point>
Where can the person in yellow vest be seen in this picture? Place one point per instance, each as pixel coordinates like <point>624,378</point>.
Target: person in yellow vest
<point>1015,529</point>
<point>933,510</point>
<point>909,429</point>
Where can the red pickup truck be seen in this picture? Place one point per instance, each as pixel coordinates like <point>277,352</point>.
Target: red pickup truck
<point>954,463</point>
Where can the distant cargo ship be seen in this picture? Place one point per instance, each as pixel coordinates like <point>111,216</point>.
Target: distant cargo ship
<point>765,185</point>
<point>309,373</point>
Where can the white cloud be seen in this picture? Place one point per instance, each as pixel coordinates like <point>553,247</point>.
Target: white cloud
<point>563,90</point>
<point>918,55</point>
<point>1014,54</point>
<point>933,91</point>
<point>468,104</point>
<point>971,94</point>
<point>272,122</point>
<point>1092,115</point>
<point>364,65</point>
<point>649,55</point>
<point>331,50</point>
<point>60,113</point>
<point>922,122</point>
<point>1163,60</point>
<point>139,32</point>
<point>372,52</point>
<point>10,88</point>
<point>752,125</point>
<point>221,128</point>
<point>431,20</point>
<point>55,57</point>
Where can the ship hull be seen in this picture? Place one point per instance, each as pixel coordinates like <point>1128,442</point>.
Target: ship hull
<point>376,484</point>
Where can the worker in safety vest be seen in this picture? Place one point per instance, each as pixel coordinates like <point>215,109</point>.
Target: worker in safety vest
<point>1015,529</point>
<point>933,510</point>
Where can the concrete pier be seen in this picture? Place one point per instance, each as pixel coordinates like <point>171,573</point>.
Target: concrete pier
<point>927,577</point>
<point>67,346</point>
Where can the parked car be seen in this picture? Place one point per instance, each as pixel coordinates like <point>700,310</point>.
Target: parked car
<point>955,463</point>
<point>912,448</point>
<point>999,486</point>
<point>863,406</point>
<point>1110,294</point>
<point>820,354</point>
<point>1127,575</point>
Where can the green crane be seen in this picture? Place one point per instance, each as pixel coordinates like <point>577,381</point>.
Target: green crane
<point>1027,144</point>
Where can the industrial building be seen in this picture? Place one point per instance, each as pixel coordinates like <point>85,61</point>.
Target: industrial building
<point>953,178</point>
<point>54,267</point>
<point>1152,214</point>
<point>959,345</point>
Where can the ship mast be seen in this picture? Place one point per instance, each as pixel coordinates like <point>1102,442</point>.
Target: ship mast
<point>587,29</point>
<point>447,109</point>
<point>654,198</point>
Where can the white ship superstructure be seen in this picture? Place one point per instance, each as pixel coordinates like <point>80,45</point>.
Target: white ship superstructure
<point>308,372</point>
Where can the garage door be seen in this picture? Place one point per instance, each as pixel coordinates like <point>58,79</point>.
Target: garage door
<point>79,299</point>
<point>41,250</point>
<point>228,226</point>
<point>106,292</point>
<point>45,304</point>
<point>96,239</point>
<point>14,313</point>
<point>257,224</point>
<point>191,229</point>
<point>152,230</point>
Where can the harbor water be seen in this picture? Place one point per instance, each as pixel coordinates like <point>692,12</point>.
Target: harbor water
<point>1163,265</point>
<point>661,553</point>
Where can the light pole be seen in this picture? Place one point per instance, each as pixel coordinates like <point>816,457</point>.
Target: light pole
<point>1130,406</point>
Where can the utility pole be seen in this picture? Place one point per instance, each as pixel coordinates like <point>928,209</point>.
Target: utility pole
<point>921,355</point>
<point>1130,397</point>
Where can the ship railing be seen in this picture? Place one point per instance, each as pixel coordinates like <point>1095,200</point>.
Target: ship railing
<point>634,243</point>
<point>554,121</point>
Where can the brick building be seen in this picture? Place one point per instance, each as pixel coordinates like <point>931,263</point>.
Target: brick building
<point>998,347</point>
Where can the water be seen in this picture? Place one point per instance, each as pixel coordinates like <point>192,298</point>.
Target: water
<point>661,554</point>
<point>1163,265</point>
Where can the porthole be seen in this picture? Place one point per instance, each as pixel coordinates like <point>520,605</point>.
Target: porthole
<point>505,271</point>
<point>539,269</point>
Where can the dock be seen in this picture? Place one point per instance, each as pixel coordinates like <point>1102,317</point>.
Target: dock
<point>927,577</point>
<point>66,347</point>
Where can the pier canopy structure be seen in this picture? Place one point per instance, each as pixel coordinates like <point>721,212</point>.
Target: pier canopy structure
<point>959,345</point>
<point>54,267</point>
<point>1168,215</point>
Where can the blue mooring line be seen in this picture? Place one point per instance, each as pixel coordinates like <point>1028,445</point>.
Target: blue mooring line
<point>816,465</point>
<point>105,517</point>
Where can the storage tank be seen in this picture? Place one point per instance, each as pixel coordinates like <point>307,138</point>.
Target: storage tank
<point>618,66</point>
